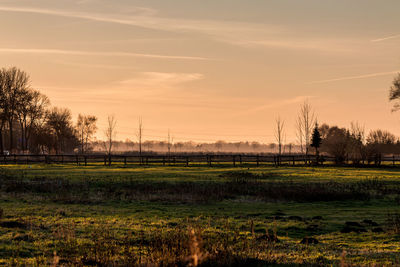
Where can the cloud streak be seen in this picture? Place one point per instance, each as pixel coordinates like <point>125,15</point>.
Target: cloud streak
<point>70,14</point>
<point>144,20</point>
<point>386,38</point>
<point>321,45</point>
<point>220,30</point>
<point>277,104</point>
<point>89,53</point>
<point>161,79</point>
<point>245,34</point>
<point>356,77</point>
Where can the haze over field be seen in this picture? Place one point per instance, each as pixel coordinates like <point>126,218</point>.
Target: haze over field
<point>209,70</point>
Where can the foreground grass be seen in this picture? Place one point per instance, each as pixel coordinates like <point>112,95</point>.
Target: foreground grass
<point>175,215</point>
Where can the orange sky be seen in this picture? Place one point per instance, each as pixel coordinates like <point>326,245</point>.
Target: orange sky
<point>209,70</point>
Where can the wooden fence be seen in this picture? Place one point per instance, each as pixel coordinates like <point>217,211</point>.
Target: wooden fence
<point>185,160</point>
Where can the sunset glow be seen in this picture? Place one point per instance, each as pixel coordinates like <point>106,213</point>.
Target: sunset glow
<point>209,70</point>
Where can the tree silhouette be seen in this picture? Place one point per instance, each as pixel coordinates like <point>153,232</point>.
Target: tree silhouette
<point>316,141</point>
<point>395,92</point>
<point>170,141</point>
<point>86,128</point>
<point>110,134</point>
<point>61,130</point>
<point>279,133</point>
<point>304,124</point>
<point>139,135</point>
<point>13,84</point>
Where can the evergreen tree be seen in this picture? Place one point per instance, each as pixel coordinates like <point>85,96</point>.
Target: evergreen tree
<point>316,141</point>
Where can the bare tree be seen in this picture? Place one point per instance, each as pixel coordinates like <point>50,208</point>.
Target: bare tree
<point>394,94</point>
<point>139,135</point>
<point>255,145</point>
<point>219,144</point>
<point>13,82</point>
<point>30,111</point>
<point>290,148</point>
<point>86,128</point>
<point>304,125</point>
<point>381,137</point>
<point>149,144</point>
<point>2,124</point>
<point>110,134</point>
<point>357,149</point>
<point>279,133</point>
<point>299,134</point>
<point>170,142</point>
<point>61,130</point>
<point>237,145</point>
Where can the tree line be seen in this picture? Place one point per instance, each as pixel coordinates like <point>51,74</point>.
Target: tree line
<point>352,144</point>
<point>29,123</point>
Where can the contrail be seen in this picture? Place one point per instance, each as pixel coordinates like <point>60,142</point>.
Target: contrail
<point>357,77</point>
<point>88,53</point>
<point>386,38</point>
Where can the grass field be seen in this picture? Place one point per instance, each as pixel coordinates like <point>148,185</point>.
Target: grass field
<point>68,215</point>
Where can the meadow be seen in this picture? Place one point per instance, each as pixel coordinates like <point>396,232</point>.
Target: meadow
<point>63,215</point>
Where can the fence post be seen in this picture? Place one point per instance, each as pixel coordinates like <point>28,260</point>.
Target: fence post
<point>124,160</point>
<point>258,161</point>
<point>394,161</point>
<point>209,161</point>
<point>163,160</point>
<point>77,160</point>
<point>234,161</point>
<point>85,160</point>
<point>240,159</point>
<point>187,161</point>
<point>105,160</point>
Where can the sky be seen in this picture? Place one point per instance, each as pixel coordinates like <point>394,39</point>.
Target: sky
<point>212,69</point>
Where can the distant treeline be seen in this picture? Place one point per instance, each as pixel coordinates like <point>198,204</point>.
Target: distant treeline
<point>343,144</point>
<point>190,147</point>
<point>29,124</point>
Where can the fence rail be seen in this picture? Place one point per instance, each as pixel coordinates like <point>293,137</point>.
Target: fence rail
<point>186,160</point>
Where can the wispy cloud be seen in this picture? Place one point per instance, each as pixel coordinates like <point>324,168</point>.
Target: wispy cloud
<point>157,79</point>
<point>89,53</point>
<point>220,30</point>
<point>143,84</point>
<point>277,104</point>
<point>90,66</point>
<point>82,15</point>
<point>386,38</point>
<point>144,19</point>
<point>322,45</point>
<point>232,32</point>
<point>356,77</point>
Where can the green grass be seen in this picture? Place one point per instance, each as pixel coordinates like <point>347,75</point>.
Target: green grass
<point>102,224</point>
